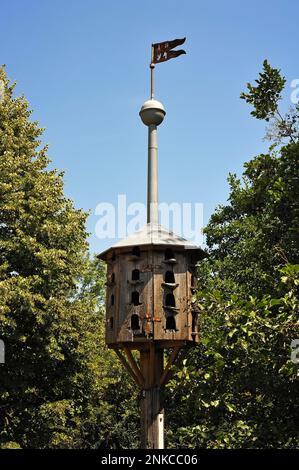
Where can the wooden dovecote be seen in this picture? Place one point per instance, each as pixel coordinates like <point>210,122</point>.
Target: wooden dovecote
<point>150,285</point>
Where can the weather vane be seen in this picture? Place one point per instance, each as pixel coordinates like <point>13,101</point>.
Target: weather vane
<point>162,51</point>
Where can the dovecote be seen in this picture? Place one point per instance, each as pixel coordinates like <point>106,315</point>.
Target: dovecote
<point>150,284</point>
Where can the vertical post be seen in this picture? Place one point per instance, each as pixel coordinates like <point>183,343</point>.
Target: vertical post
<point>152,67</point>
<point>152,413</point>
<point>152,184</point>
<point>152,174</point>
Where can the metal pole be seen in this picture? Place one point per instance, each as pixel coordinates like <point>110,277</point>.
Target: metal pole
<point>152,174</point>
<point>152,67</point>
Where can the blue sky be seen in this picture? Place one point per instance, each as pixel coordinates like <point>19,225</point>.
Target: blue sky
<point>83,66</point>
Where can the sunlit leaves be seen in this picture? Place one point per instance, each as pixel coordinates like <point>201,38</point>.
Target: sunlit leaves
<point>60,386</point>
<point>265,95</point>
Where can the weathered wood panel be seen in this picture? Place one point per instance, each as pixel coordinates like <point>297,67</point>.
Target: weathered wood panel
<point>164,311</point>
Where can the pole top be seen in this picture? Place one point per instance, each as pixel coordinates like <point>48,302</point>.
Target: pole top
<point>152,112</point>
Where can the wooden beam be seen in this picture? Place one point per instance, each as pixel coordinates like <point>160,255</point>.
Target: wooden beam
<point>134,367</point>
<point>133,346</point>
<point>152,413</point>
<point>178,363</point>
<point>170,344</point>
<point>128,368</point>
<point>170,362</point>
<point>152,365</point>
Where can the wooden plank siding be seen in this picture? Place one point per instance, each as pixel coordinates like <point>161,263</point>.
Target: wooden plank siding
<point>152,312</point>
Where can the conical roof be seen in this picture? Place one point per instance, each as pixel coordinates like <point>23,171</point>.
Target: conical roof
<point>153,234</point>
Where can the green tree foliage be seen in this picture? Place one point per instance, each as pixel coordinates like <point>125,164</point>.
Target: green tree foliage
<point>258,230</point>
<point>265,97</point>
<point>240,387</point>
<point>60,386</point>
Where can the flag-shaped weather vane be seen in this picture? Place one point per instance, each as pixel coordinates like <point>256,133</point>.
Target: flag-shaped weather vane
<point>163,51</point>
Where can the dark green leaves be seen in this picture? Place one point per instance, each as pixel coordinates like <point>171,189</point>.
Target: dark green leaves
<point>264,96</point>
<point>239,389</point>
<point>60,386</point>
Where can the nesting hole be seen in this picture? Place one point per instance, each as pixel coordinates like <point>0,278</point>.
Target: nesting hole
<point>169,277</point>
<point>169,300</point>
<point>194,322</point>
<point>135,322</point>
<point>135,298</point>
<point>136,251</point>
<point>135,275</point>
<point>170,323</point>
<point>169,254</point>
